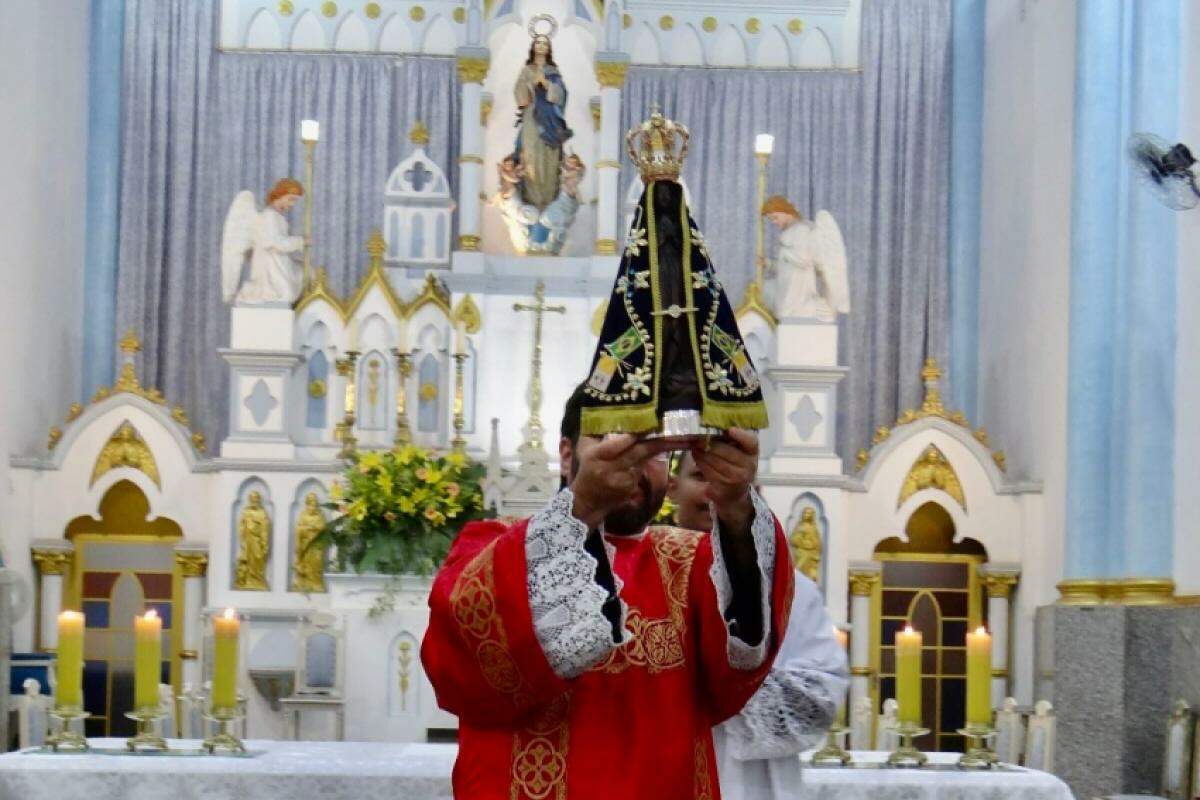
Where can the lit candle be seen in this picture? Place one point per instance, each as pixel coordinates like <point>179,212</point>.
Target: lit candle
<point>843,639</point>
<point>147,663</point>
<point>70,660</point>
<point>908,675</point>
<point>310,130</point>
<point>764,143</point>
<point>225,660</point>
<point>979,677</point>
<point>460,337</point>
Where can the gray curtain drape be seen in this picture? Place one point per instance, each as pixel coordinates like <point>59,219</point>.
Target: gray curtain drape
<point>872,148</point>
<point>200,125</point>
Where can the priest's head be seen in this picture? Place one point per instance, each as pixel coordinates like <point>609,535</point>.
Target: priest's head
<point>633,515</point>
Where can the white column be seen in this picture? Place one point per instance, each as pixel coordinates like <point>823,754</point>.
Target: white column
<point>192,560</point>
<point>53,558</point>
<point>999,580</point>
<point>864,577</point>
<point>472,69</point>
<point>610,72</point>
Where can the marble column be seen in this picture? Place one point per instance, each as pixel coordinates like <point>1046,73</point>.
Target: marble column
<point>611,68</point>
<point>472,69</point>
<point>998,581</point>
<point>864,577</point>
<point>192,560</point>
<point>53,558</point>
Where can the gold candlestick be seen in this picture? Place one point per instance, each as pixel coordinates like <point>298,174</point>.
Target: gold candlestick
<point>345,368</point>
<point>308,135</point>
<point>65,738</point>
<point>404,369</point>
<point>906,754</point>
<point>833,753</point>
<point>980,754</point>
<point>458,442</point>
<point>223,739</point>
<point>146,738</point>
<point>764,143</point>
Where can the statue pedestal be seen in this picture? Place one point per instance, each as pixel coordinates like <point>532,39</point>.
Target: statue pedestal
<point>261,361</point>
<point>806,375</point>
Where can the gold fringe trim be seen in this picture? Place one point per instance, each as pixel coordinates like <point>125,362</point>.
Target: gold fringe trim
<point>723,416</point>
<point>627,419</point>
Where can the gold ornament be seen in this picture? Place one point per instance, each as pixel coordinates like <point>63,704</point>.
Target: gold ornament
<point>191,564</point>
<point>198,442</point>
<point>180,415</point>
<point>932,471</point>
<point>753,25</point>
<point>658,147</point>
<point>999,585</point>
<point>611,74</point>
<point>52,562</point>
<point>472,69</point>
<point>606,247</point>
<point>286,8</point>
<point>795,26</point>
<point>416,13</point>
<point>309,566</point>
<point>753,301</point>
<point>595,108</point>
<point>428,391</point>
<point>419,134</point>
<point>709,24</point>
<point>666,22</point>
<point>805,539</point>
<point>626,21</point>
<point>74,412</point>
<point>468,242</point>
<point>126,448</point>
<point>372,10</point>
<point>467,313</point>
<point>254,541</point>
<point>405,660</point>
<point>329,8</point>
<point>460,15</point>
<point>863,583</point>
<point>485,110</point>
<point>1001,460</point>
<point>317,388</point>
<point>53,439</point>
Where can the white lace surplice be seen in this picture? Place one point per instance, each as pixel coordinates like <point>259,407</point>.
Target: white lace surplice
<point>757,749</point>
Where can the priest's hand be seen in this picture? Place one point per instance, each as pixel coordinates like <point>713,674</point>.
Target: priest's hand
<point>729,466</point>
<point>609,472</point>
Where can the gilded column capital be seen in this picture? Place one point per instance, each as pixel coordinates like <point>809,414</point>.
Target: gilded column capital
<point>472,69</point>
<point>52,560</point>
<point>863,582</point>
<point>611,74</point>
<point>999,585</point>
<point>192,563</point>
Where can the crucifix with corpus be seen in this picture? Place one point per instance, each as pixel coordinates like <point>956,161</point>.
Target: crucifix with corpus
<point>534,428</point>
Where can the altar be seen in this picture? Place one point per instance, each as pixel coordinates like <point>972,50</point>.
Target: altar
<point>384,771</point>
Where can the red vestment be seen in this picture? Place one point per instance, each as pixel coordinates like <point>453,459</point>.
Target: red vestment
<point>635,724</point>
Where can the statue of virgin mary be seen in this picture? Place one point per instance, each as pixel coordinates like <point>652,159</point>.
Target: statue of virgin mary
<point>541,122</point>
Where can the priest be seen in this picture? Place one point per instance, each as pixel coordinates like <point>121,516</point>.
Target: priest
<point>586,654</point>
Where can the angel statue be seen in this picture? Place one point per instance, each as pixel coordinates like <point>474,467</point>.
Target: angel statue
<point>541,122</point>
<point>274,276</point>
<point>811,265</point>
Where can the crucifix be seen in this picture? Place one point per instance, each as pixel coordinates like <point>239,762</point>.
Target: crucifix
<point>534,429</point>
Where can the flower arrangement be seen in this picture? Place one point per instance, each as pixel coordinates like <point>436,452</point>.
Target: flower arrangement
<point>398,511</point>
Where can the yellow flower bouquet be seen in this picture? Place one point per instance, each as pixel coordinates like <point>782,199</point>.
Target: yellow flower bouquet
<point>397,511</point>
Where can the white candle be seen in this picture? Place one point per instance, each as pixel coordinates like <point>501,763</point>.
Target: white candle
<point>310,130</point>
<point>402,338</point>
<point>460,337</point>
<point>764,143</point>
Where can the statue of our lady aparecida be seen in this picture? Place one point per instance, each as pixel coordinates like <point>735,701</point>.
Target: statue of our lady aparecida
<point>670,361</point>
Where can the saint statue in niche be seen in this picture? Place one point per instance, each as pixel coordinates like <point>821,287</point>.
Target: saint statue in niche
<point>309,568</point>
<point>541,122</point>
<point>254,537</point>
<point>811,265</point>
<point>274,276</point>
<point>806,545</point>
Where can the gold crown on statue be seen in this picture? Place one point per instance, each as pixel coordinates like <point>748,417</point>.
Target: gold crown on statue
<point>658,147</point>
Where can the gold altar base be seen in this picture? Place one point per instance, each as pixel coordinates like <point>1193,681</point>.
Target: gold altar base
<point>223,739</point>
<point>979,753</point>
<point>833,754</point>
<point>146,739</point>
<point>67,739</point>
<point>906,755</point>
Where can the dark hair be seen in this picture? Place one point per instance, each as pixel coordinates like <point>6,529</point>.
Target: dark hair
<point>549,54</point>
<point>572,412</point>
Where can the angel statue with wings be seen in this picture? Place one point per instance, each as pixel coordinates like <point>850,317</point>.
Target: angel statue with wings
<point>274,276</point>
<point>811,265</point>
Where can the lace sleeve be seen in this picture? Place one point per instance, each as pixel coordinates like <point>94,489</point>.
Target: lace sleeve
<point>788,714</point>
<point>565,600</point>
<point>744,656</point>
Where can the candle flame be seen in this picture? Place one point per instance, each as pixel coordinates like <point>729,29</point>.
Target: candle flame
<point>151,614</point>
<point>908,629</point>
<point>228,613</point>
<point>980,631</point>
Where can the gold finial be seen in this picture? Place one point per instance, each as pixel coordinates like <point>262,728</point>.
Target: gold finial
<point>419,135</point>
<point>861,460</point>
<point>376,247</point>
<point>54,438</point>
<point>658,147</point>
<point>931,374</point>
<point>931,371</point>
<point>130,343</point>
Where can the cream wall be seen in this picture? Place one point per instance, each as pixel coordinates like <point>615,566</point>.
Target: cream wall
<point>43,148</point>
<point>1025,258</point>
<point>1187,315</point>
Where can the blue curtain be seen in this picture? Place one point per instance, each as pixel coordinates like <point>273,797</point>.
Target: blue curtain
<point>870,146</point>
<point>200,125</point>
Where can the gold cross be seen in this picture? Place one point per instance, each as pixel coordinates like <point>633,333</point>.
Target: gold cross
<point>534,429</point>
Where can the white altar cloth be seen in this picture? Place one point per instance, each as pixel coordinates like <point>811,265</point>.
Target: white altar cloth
<point>386,771</point>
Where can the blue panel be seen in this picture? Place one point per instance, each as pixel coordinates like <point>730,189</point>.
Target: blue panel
<point>164,612</point>
<point>95,613</point>
<point>95,686</point>
<point>417,244</point>
<point>427,409</point>
<point>440,247</point>
<point>318,370</point>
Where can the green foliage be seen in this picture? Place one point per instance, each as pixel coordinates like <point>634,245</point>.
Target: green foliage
<point>398,511</point>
